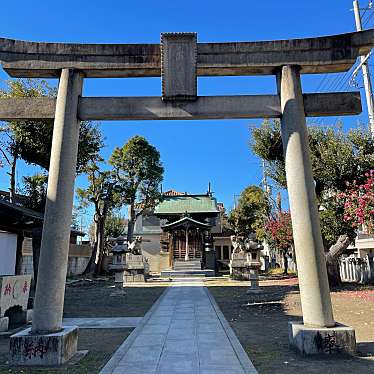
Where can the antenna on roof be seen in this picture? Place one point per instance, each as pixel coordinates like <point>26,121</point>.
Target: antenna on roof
<point>210,192</point>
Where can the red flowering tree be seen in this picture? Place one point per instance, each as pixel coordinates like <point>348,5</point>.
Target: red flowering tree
<point>278,231</point>
<point>358,202</point>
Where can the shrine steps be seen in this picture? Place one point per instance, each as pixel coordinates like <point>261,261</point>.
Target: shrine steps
<point>187,269</point>
<point>187,265</point>
<point>187,273</point>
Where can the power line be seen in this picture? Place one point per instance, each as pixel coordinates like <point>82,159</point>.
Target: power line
<point>322,82</point>
<point>368,19</point>
<point>329,81</point>
<point>343,82</point>
<point>365,69</point>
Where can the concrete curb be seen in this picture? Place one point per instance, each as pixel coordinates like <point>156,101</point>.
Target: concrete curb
<point>243,358</point>
<point>112,364</point>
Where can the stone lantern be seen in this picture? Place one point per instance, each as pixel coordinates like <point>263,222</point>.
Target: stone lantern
<point>119,259</point>
<point>253,249</point>
<point>245,260</point>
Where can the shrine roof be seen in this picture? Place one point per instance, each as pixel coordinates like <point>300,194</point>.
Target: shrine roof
<point>187,204</point>
<point>15,218</point>
<point>186,222</point>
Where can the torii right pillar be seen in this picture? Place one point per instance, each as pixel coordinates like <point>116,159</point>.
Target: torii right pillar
<point>318,333</point>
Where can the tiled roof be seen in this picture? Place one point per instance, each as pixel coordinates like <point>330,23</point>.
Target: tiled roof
<point>187,203</point>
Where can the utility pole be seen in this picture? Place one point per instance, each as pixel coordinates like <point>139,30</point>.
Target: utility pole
<point>264,182</point>
<point>235,201</point>
<point>365,71</point>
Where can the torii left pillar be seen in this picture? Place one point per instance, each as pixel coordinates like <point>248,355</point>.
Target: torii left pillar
<point>53,343</point>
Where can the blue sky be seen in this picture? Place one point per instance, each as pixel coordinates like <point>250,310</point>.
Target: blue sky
<point>198,152</point>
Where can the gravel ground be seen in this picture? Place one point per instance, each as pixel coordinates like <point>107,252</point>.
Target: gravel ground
<point>95,299</point>
<point>260,322</point>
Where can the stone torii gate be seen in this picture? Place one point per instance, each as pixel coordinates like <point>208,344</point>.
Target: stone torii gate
<point>179,59</point>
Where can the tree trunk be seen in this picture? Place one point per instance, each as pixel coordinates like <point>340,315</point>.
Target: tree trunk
<point>12,174</point>
<point>332,257</point>
<point>100,247</point>
<point>285,262</point>
<point>20,238</point>
<point>36,243</point>
<point>90,265</point>
<point>130,224</point>
<point>94,265</point>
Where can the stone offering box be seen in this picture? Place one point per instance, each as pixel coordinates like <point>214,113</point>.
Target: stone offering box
<point>14,296</point>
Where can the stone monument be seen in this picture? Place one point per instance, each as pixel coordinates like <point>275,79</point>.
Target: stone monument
<point>14,297</point>
<point>136,266</point>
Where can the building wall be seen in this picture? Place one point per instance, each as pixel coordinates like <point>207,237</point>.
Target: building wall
<point>8,248</point>
<point>365,246</point>
<point>223,248</point>
<point>27,247</point>
<point>77,265</point>
<point>27,265</point>
<point>151,250</point>
<point>79,255</point>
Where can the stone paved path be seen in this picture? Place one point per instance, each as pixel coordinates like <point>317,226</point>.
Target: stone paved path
<point>184,332</point>
<point>103,323</point>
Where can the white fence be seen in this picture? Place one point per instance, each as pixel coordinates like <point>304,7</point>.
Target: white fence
<point>357,270</point>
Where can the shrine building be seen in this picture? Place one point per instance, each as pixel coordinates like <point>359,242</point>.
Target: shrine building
<point>184,230</point>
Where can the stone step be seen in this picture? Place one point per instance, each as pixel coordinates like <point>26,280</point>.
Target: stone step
<point>187,273</point>
<point>187,265</point>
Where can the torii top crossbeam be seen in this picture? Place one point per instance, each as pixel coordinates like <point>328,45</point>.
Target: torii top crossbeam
<point>179,59</point>
<point>314,55</point>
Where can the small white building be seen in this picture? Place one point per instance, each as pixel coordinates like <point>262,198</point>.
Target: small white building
<point>17,226</point>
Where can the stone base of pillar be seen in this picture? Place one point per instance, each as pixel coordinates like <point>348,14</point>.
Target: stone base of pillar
<point>4,324</point>
<point>254,289</point>
<point>253,282</point>
<point>319,340</point>
<point>43,350</point>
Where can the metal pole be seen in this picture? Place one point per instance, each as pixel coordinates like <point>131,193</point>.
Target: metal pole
<point>365,72</point>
